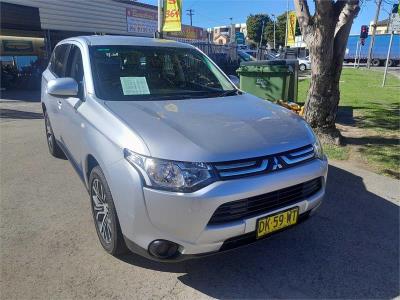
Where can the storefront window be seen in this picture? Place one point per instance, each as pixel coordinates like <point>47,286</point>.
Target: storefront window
<point>21,72</point>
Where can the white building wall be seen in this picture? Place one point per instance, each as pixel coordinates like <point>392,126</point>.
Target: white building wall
<point>100,16</point>
<point>299,42</point>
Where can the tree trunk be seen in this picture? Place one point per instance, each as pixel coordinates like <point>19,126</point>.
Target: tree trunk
<point>326,35</point>
<point>323,94</point>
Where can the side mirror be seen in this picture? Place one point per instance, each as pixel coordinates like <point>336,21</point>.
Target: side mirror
<point>234,79</point>
<point>63,87</point>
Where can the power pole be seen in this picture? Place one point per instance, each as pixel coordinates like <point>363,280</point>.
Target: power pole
<point>387,58</point>
<point>262,33</point>
<point>232,31</point>
<point>160,20</point>
<point>287,22</point>
<point>190,14</point>
<point>371,44</point>
<point>260,52</point>
<point>388,52</point>
<point>274,28</point>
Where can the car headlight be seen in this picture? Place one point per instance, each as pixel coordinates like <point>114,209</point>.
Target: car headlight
<point>318,151</point>
<point>171,175</point>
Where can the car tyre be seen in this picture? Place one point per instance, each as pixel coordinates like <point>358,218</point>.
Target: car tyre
<point>54,148</point>
<point>302,67</point>
<point>105,215</point>
<point>390,63</point>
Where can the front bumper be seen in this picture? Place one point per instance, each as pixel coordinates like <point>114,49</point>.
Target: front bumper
<point>146,215</point>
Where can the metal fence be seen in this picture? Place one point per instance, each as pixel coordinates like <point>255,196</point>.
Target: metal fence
<point>225,56</point>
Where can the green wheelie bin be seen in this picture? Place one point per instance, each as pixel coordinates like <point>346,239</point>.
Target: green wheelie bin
<point>270,79</point>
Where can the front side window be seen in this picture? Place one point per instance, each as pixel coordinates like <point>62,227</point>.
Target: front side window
<point>155,73</point>
<point>57,63</point>
<point>74,64</point>
<point>74,67</point>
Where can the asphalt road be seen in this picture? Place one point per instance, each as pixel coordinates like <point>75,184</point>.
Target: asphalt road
<point>49,247</point>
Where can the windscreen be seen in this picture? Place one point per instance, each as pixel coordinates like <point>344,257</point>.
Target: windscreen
<point>155,73</point>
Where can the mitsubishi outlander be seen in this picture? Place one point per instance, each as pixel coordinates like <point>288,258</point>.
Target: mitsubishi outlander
<point>178,162</point>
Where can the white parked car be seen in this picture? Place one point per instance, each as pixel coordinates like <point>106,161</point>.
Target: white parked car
<point>304,64</point>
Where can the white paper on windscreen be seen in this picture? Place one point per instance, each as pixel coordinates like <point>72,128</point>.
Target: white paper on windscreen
<point>134,86</point>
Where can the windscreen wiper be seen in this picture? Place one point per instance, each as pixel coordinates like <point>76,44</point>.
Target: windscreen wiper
<point>174,96</point>
<point>230,93</point>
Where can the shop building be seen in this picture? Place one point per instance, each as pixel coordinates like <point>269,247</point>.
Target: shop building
<point>31,28</point>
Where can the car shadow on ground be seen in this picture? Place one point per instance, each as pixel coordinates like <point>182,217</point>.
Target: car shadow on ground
<point>349,249</point>
<point>19,114</point>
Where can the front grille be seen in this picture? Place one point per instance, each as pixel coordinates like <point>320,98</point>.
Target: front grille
<point>260,165</point>
<point>250,207</point>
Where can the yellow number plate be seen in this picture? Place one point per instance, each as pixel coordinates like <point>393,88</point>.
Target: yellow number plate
<point>269,224</point>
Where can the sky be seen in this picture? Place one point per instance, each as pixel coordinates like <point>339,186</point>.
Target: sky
<point>210,13</point>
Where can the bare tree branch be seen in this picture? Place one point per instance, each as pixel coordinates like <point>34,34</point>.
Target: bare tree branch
<point>347,14</point>
<point>323,7</point>
<point>339,47</point>
<point>304,18</point>
<point>338,7</point>
<point>302,12</point>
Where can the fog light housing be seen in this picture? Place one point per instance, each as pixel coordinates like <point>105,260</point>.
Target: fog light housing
<point>163,249</point>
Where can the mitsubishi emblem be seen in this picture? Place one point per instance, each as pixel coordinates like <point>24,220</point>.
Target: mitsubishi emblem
<point>276,164</point>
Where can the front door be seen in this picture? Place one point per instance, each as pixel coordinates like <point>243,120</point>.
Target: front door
<point>55,70</point>
<point>72,120</point>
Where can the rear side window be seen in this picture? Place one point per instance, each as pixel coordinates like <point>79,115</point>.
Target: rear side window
<point>58,59</point>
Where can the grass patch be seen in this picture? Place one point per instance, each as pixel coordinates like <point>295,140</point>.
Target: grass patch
<point>385,158</point>
<point>373,108</point>
<point>361,89</point>
<point>336,152</point>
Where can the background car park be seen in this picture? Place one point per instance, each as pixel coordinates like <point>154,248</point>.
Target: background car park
<point>304,64</point>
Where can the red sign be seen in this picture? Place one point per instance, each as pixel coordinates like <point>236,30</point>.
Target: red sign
<point>141,20</point>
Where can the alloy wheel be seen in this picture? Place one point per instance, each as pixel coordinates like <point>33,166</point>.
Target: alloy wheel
<point>101,211</point>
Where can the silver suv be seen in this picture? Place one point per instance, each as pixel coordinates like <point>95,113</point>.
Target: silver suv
<point>178,162</point>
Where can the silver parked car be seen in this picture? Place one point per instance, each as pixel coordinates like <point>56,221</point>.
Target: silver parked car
<point>304,63</point>
<point>178,162</point>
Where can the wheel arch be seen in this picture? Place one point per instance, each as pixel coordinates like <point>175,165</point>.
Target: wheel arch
<point>90,163</point>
